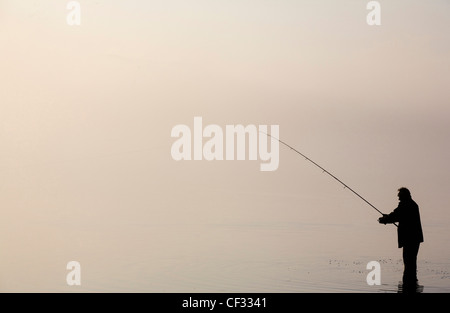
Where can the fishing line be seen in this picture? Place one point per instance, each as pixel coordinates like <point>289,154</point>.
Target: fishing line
<point>325,171</point>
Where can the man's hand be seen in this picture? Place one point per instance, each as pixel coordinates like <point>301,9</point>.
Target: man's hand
<point>383,219</point>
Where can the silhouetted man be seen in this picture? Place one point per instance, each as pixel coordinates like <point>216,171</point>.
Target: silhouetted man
<point>409,232</point>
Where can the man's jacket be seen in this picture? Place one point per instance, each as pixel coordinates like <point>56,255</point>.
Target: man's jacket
<point>409,227</point>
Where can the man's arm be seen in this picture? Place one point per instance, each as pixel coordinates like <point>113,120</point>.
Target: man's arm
<point>393,217</point>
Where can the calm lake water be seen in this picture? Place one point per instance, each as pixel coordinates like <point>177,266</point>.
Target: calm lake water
<point>146,257</point>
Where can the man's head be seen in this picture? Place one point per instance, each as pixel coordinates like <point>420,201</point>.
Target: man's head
<point>404,194</point>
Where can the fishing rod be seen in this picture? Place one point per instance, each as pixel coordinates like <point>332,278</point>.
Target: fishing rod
<point>327,172</point>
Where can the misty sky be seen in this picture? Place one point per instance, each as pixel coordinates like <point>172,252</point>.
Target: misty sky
<point>86,111</point>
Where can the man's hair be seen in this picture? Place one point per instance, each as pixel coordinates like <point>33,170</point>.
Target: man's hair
<point>404,192</point>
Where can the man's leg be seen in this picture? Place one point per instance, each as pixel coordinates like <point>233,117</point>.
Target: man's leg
<point>410,252</point>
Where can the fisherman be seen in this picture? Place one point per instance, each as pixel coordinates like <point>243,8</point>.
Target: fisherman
<point>409,232</point>
<point>406,214</point>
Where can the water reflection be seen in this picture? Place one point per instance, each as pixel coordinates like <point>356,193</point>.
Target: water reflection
<point>410,288</point>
